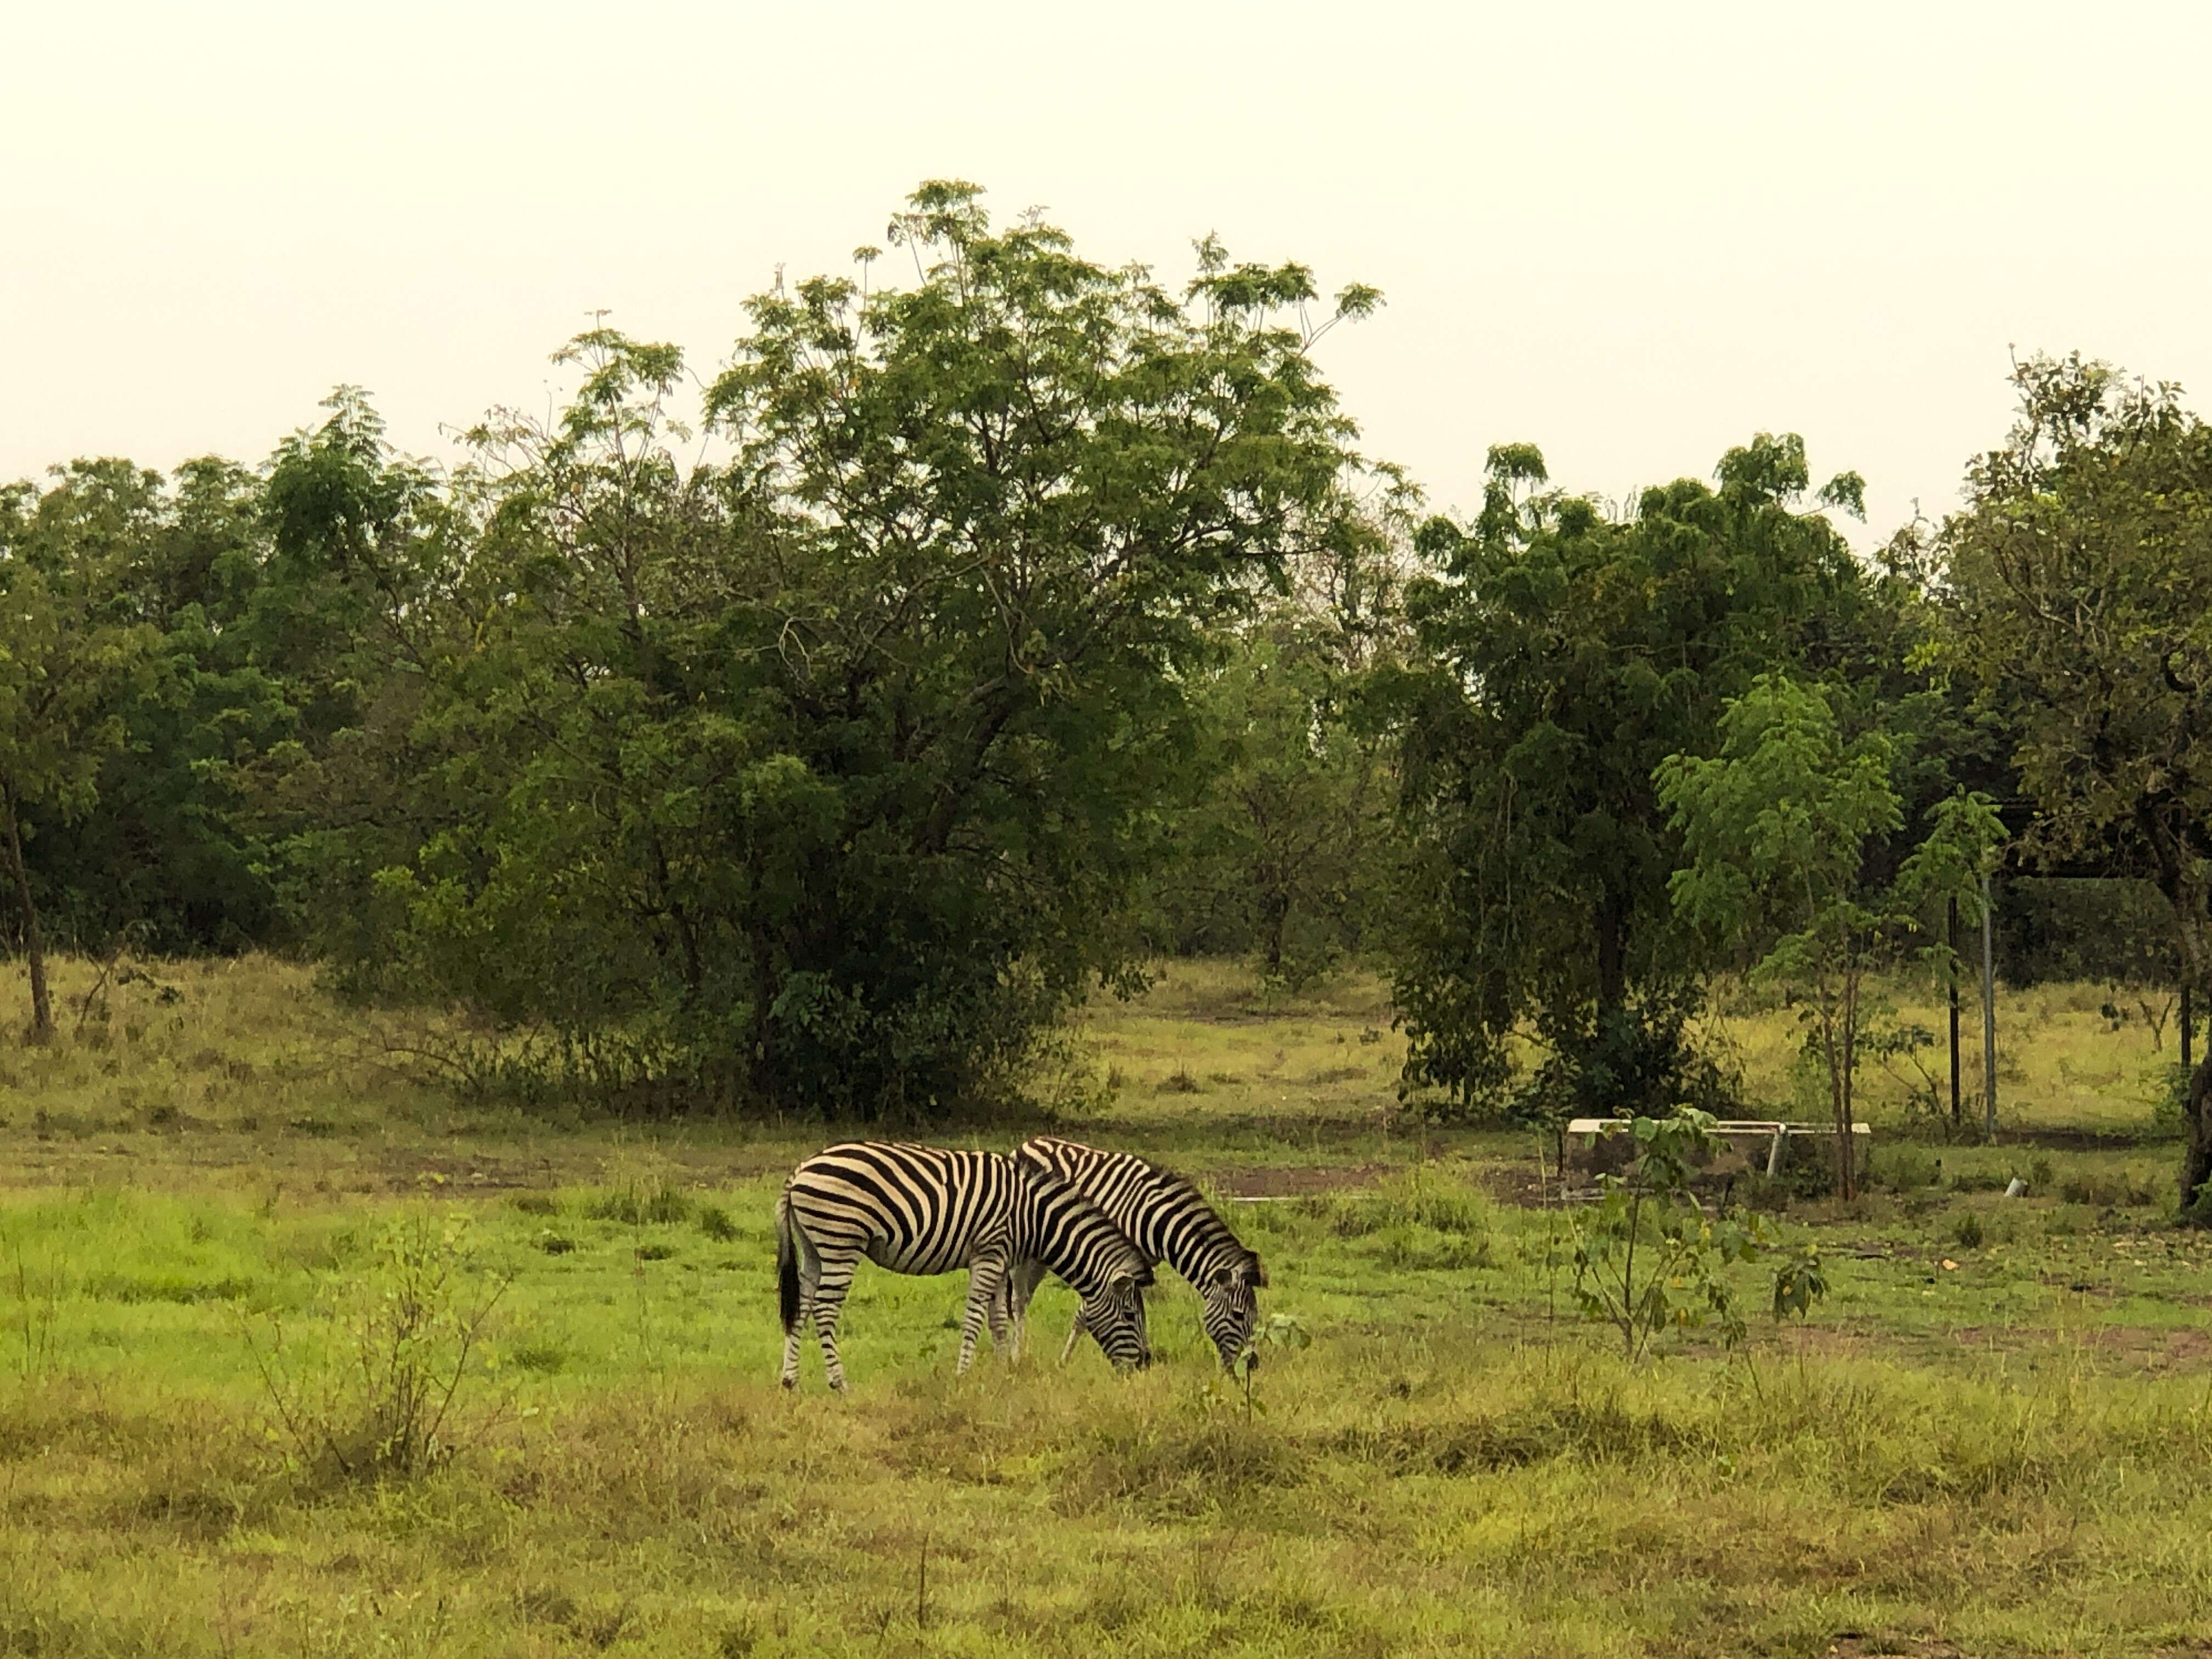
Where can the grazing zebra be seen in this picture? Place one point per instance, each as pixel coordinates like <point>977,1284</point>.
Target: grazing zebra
<point>929,1210</point>
<point>1168,1219</point>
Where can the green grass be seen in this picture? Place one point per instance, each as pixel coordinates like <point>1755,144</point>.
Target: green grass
<point>1995,1437</point>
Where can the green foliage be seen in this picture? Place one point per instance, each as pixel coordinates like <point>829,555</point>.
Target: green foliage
<point>1800,1279</point>
<point>826,775</point>
<point>2081,568</point>
<point>1679,1281</point>
<point>71,657</point>
<point>392,1396</point>
<point>1284,854</point>
<point>1639,1059</point>
<point>1279,1331</point>
<point>1563,655</point>
<point>1778,828</point>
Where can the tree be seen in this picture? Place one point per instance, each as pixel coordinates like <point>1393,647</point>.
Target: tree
<point>70,655</point>
<point>1565,654</point>
<point>1285,853</point>
<point>1777,829</point>
<point>828,772</point>
<point>2081,572</point>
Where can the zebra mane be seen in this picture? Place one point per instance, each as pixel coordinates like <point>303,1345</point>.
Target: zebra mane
<point>1074,1199</point>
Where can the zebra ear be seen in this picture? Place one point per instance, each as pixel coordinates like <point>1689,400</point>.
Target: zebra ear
<point>1140,1278</point>
<point>1259,1276</point>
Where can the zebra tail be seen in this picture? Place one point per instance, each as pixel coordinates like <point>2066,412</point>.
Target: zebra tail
<point>786,1265</point>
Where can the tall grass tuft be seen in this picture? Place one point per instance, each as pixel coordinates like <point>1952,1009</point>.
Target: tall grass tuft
<point>390,1391</point>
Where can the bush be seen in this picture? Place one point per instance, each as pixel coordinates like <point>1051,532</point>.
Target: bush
<point>389,1396</point>
<point>648,1203</point>
<point>1904,1169</point>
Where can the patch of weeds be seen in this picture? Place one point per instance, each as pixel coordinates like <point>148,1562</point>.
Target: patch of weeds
<point>1979,1180</point>
<point>555,1244</point>
<point>1417,1249</point>
<point>1181,1082</point>
<point>715,1221</point>
<point>391,1396</point>
<point>1969,1231</point>
<point>655,1252</point>
<point>1905,1168</point>
<point>539,1358</point>
<point>2122,1190</point>
<point>537,1203</point>
<point>166,1287</point>
<point>1179,1469</point>
<point>651,1203</point>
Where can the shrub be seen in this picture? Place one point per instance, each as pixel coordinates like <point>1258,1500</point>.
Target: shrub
<point>389,1395</point>
<point>648,1203</point>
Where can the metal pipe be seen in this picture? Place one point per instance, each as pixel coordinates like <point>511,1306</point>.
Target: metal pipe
<point>1989,1017</point>
<point>1951,931</point>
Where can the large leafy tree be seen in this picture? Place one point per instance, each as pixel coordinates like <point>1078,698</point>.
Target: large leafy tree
<point>2081,568</point>
<point>1567,653</point>
<point>1778,829</point>
<point>71,657</point>
<point>164,856</point>
<point>829,770</point>
<point>1286,853</point>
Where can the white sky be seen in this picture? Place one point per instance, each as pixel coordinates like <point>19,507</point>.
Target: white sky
<point>1632,234</point>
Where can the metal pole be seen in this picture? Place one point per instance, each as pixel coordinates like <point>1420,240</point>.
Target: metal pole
<point>1951,921</point>
<point>1989,1019</point>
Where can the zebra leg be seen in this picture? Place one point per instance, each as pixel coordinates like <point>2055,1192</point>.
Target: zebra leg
<point>791,1350</point>
<point>834,1277</point>
<point>1074,1336</point>
<point>985,1275</point>
<point>1020,1282</point>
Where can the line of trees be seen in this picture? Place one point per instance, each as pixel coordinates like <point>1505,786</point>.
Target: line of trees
<point>1011,624</point>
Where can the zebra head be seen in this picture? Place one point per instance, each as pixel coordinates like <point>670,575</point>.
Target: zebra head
<point>1078,1241</point>
<point>1231,1312</point>
<point>1114,1314</point>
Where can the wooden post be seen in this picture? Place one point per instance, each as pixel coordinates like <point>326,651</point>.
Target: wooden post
<point>1951,924</point>
<point>1989,1017</point>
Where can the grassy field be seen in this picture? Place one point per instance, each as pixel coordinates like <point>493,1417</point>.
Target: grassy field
<point>1994,1436</point>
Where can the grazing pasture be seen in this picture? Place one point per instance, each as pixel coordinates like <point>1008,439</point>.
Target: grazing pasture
<point>240,1222</point>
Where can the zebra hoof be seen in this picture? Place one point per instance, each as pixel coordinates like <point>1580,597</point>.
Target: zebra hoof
<point>790,1382</point>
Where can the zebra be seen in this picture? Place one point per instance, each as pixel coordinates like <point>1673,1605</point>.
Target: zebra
<point>930,1209</point>
<point>1167,1218</point>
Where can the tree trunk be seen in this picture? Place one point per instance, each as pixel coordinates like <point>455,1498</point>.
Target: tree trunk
<point>1951,936</point>
<point>1274,923</point>
<point>1846,1159</point>
<point>34,944</point>
<point>2196,1163</point>
<point>1611,926</point>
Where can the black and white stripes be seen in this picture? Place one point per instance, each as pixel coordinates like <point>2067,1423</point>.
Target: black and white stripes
<point>930,1209</point>
<point>1167,1218</point>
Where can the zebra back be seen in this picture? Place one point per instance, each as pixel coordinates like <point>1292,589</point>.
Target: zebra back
<point>915,1209</point>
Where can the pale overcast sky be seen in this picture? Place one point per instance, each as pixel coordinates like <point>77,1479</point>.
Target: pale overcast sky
<point>1632,234</point>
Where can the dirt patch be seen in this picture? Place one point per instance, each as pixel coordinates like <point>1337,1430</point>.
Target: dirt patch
<point>2153,1349</point>
<point>1301,1184</point>
<point>1868,1647</point>
<point>410,1171</point>
<point>2074,1140</point>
